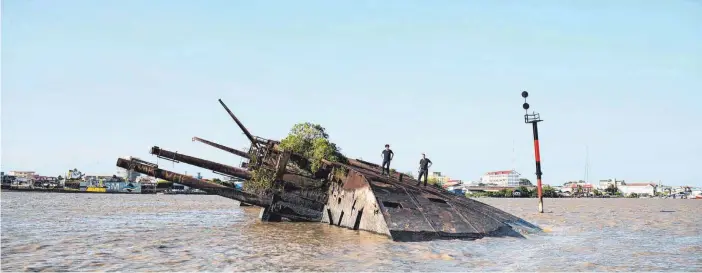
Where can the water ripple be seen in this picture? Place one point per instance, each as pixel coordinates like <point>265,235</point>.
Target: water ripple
<point>78,232</point>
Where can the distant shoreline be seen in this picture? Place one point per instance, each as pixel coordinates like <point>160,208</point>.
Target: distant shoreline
<point>71,191</point>
<point>91,192</point>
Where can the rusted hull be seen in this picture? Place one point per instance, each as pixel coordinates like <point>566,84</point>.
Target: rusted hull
<point>366,200</point>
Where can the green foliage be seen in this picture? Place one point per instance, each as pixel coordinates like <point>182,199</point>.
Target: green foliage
<point>261,180</point>
<point>221,182</point>
<point>312,142</point>
<point>480,194</point>
<point>549,191</point>
<point>524,182</point>
<point>341,172</point>
<point>432,180</point>
<point>496,193</point>
<point>612,190</point>
<point>477,194</point>
<point>633,195</point>
<point>523,190</point>
<point>506,192</point>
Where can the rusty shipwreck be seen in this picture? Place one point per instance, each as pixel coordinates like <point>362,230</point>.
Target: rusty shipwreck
<point>351,194</point>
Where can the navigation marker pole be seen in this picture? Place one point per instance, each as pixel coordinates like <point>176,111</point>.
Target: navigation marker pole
<point>534,119</point>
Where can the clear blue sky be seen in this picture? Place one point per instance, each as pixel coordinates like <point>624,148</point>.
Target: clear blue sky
<point>85,82</point>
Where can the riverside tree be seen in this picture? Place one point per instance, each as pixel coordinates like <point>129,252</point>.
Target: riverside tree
<point>612,189</point>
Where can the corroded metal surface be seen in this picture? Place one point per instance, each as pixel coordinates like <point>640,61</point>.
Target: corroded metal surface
<point>294,205</point>
<point>422,213</point>
<point>222,147</point>
<point>293,179</point>
<point>241,126</point>
<point>354,180</point>
<point>202,163</point>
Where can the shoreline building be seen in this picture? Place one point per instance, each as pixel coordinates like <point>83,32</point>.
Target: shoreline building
<point>128,175</point>
<point>455,186</point>
<point>440,179</point>
<point>644,189</point>
<point>24,174</point>
<point>508,178</point>
<point>605,183</point>
<point>579,187</point>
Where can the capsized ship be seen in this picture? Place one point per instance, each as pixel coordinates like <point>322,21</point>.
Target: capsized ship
<point>352,194</point>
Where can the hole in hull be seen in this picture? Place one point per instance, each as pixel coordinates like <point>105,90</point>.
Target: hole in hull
<point>436,200</point>
<point>389,204</point>
<point>340,217</point>
<point>331,220</point>
<point>357,224</point>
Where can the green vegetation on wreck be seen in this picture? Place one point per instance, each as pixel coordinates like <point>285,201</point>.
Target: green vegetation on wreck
<point>261,180</point>
<point>308,140</point>
<point>312,142</point>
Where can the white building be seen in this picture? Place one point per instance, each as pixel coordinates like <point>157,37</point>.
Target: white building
<point>452,183</point>
<point>605,183</point>
<point>501,178</point>
<point>472,183</point>
<point>25,174</point>
<point>440,179</point>
<point>638,188</point>
<point>128,175</point>
<point>146,180</point>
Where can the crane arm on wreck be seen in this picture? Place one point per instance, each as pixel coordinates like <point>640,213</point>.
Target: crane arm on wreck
<point>351,194</point>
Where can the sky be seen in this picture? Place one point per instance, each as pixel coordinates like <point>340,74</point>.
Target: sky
<point>617,83</point>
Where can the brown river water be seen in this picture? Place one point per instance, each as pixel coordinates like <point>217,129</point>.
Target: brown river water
<point>102,232</point>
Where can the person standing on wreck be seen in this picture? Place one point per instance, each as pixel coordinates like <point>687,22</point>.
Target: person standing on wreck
<point>424,165</point>
<point>387,155</point>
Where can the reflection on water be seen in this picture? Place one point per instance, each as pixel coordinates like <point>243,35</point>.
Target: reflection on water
<point>80,232</point>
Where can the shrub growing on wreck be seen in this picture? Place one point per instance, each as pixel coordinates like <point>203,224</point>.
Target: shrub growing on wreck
<point>307,140</point>
<point>261,180</point>
<point>312,142</point>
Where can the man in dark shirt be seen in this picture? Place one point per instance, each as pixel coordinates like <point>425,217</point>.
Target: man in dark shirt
<point>424,165</point>
<point>387,155</point>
